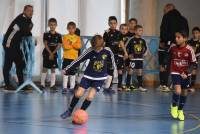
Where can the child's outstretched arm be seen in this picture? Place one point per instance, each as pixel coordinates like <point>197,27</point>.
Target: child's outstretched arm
<point>84,56</point>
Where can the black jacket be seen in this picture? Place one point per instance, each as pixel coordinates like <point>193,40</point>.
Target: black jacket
<point>172,22</point>
<point>21,26</point>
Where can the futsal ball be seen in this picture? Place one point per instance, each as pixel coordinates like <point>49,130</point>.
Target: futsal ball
<point>80,117</point>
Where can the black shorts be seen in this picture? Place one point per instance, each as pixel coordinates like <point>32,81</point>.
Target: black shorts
<point>47,63</point>
<point>119,62</point>
<point>178,80</point>
<point>136,64</point>
<point>88,83</point>
<point>127,62</point>
<point>163,57</point>
<point>67,62</point>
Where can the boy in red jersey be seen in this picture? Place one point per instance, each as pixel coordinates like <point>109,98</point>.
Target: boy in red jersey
<point>182,57</point>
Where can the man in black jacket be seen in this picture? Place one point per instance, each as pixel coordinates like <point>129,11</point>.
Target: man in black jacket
<point>172,22</point>
<point>20,27</point>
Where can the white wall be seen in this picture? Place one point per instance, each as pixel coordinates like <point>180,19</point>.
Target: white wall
<point>145,12</point>
<point>64,11</point>
<point>94,15</point>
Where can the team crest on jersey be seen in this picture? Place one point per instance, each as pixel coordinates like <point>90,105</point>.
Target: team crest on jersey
<point>104,56</point>
<point>138,48</point>
<point>98,66</point>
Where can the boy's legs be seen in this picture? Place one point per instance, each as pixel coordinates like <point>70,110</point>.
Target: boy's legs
<point>179,96</point>
<point>95,87</point>
<point>53,77</point>
<point>43,77</point>
<point>138,68</point>
<point>128,78</point>
<point>65,77</point>
<point>77,95</point>
<point>84,84</point>
<point>120,76</point>
<point>120,67</point>
<point>164,70</point>
<point>89,98</point>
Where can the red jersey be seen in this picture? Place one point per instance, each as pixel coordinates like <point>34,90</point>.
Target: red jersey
<point>181,59</point>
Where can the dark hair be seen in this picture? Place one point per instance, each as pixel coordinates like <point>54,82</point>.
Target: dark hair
<point>112,18</point>
<point>123,25</point>
<point>71,23</point>
<point>133,19</point>
<point>196,29</point>
<point>183,33</point>
<point>94,39</point>
<point>52,20</point>
<point>137,27</point>
<point>27,6</point>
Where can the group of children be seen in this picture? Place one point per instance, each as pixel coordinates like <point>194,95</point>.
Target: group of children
<point>53,41</point>
<point>126,44</point>
<point>123,50</point>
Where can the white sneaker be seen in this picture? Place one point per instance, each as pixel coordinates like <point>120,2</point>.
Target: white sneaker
<point>143,89</point>
<point>160,88</point>
<point>166,89</point>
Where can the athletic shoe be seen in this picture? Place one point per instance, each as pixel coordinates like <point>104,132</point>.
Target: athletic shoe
<point>174,111</point>
<point>143,89</point>
<point>181,115</point>
<point>64,90</point>
<point>166,89</point>
<point>66,114</point>
<point>53,89</point>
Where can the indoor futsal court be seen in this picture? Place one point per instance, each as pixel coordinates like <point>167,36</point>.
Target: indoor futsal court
<point>121,113</point>
<point>99,67</point>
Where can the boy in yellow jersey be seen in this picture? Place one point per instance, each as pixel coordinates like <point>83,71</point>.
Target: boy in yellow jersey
<point>71,46</point>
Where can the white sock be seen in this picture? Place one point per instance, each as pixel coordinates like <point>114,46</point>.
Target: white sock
<point>65,81</point>
<point>43,78</point>
<point>108,81</point>
<point>72,81</point>
<point>53,79</point>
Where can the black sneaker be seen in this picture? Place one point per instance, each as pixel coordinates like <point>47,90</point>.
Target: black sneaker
<point>53,89</point>
<point>42,88</point>
<point>9,88</point>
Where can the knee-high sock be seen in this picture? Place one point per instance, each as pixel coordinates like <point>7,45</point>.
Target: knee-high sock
<point>165,78</point>
<point>128,80</point>
<point>120,80</point>
<point>139,79</point>
<point>53,79</point>
<point>73,103</point>
<point>72,81</point>
<point>85,104</point>
<point>65,81</point>
<point>182,102</point>
<point>175,99</point>
<point>161,78</point>
<point>43,78</point>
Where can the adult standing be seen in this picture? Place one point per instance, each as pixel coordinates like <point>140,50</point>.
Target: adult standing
<point>172,22</point>
<point>20,27</point>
